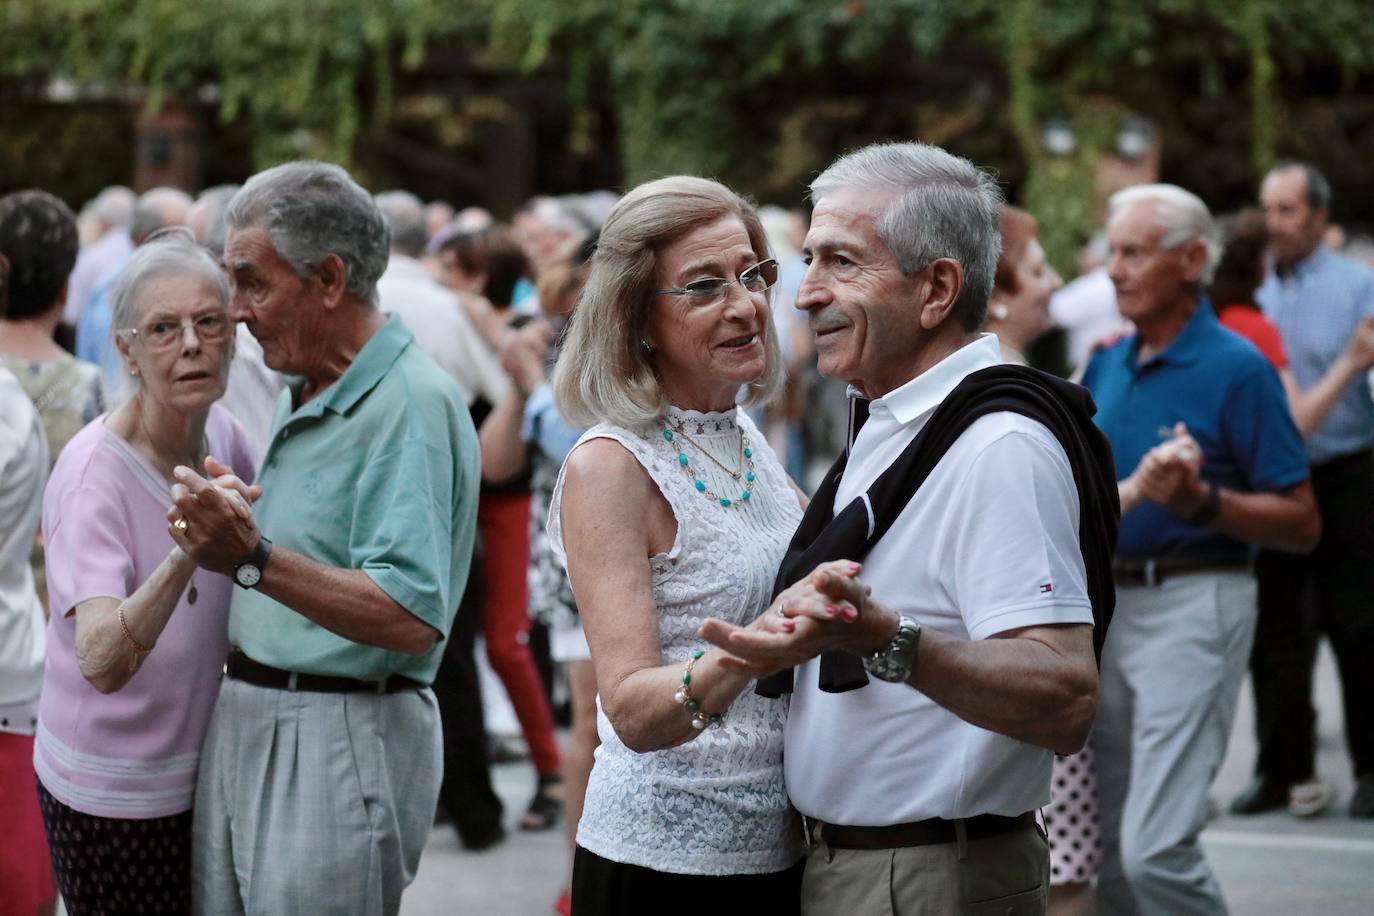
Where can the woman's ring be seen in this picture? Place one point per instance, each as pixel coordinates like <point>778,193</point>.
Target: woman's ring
<point>782,610</point>
<point>180,525</point>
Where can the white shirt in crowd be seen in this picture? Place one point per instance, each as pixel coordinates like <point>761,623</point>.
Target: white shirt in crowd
<point>988,544</point>
<point>1086,308</point>
<point>23,471</point>
<point>253,391</point>
<point>442,329</point>
<point>93,262</point>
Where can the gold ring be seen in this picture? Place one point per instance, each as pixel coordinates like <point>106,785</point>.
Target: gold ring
<point>179,524</point>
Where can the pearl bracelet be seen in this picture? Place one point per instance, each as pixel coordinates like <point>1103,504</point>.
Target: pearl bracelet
<point>684,697</point>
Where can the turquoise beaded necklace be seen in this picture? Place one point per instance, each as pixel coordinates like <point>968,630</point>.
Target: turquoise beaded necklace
<point>744,473</point>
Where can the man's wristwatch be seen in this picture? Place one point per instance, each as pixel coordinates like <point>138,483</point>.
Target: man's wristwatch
<point>1210,508</point>
<point>248,573</point>
<point>896,662</point>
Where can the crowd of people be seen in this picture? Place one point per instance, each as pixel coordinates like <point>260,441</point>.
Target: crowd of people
<point>274,459</point>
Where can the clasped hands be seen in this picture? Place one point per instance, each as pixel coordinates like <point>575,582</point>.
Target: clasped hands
<point>211,518</point>
<point>830,608</point>
<point>1169,475</point>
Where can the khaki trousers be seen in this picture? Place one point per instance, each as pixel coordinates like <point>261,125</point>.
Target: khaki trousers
<point>1006,875</point>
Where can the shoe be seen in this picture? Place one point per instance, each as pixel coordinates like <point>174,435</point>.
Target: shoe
<point>1263,794</point>
<point>494,836</point>
<point>1308,798</point>
<point>1362,805</point>
<point>546,808</point>
<point>502,749</point>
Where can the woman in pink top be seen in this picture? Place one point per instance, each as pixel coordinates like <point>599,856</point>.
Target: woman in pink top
<point>138,634</point>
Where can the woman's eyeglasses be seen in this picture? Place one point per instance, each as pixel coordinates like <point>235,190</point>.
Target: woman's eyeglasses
<point>709,290</point>
<point>164,334</point>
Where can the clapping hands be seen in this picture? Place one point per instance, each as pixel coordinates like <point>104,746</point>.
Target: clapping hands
<point>523,353</point>
<point>1168,475</point>
<point>1361,346</point>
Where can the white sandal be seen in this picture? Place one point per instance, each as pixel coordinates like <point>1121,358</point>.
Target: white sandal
<point>1306,799</point>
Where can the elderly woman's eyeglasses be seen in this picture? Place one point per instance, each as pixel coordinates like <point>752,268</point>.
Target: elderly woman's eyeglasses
<point>164,334</point>
<point>712,289</point>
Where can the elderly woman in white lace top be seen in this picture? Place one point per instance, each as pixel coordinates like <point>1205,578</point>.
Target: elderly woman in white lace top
<point>672,509</point>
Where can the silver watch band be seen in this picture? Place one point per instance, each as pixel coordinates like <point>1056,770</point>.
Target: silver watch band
<point>896,662</point>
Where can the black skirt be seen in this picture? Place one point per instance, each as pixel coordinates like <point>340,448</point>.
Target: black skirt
<point>601,887</point>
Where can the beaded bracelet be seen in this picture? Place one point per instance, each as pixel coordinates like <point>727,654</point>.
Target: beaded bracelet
<point>684,698</point>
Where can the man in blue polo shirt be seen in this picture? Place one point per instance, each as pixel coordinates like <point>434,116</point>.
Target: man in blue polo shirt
<point>1323,306</point>
<point>1185,613</point>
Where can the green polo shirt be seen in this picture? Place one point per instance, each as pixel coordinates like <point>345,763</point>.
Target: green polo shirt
<point>378,472</point>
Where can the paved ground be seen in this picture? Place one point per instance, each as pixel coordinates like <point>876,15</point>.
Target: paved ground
<point>1273,865</point>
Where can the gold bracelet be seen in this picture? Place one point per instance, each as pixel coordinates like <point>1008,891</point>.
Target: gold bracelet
<point>140,650</point>
<point>684,698</point>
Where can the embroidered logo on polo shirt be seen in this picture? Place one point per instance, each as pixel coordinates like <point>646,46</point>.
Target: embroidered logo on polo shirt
<point>1046,588</point>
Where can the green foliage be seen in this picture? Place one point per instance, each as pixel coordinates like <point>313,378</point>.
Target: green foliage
<point>294,66</point>
<point>758,92</point>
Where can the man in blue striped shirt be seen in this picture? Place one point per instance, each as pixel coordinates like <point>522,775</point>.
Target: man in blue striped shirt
<point>1323,306</point>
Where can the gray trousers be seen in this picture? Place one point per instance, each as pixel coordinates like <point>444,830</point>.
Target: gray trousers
<point>1171,674</point>
<point>314,803</point>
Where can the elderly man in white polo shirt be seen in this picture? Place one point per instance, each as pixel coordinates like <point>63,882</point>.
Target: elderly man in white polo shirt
<point>919,787</point>
<point>441,328</point>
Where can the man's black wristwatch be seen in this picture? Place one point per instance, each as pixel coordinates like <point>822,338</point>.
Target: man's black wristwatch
<point>1210,508</point>
<point>248,573</point>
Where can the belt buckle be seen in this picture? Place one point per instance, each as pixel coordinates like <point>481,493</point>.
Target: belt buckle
<point>1151,572</point>
<point>292,680</point>
<point>807,825</point>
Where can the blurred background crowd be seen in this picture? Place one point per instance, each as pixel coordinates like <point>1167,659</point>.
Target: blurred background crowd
<point>510,127</point>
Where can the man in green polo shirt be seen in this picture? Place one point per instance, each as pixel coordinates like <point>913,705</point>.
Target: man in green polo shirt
<point>321,770</point>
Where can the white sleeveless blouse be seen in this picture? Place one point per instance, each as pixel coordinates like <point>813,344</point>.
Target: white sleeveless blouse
<point>717,804</point>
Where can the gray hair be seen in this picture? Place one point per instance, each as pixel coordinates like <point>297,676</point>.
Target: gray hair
<point>114,206</point>
<point>946,208</point>
<point>158,209</point>
<point>406,218</point>
<point>1318,188</point>
<point>214,203</point>
<point>1181,214</point>
<point>604,374</point>
<point>171,252</point>
<point>311,210</point>
<point>557,215</point>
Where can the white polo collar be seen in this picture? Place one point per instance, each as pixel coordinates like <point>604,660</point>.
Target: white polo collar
<point>925,392</point>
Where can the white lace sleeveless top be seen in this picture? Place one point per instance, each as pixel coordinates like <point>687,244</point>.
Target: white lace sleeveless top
<point>717,804</point>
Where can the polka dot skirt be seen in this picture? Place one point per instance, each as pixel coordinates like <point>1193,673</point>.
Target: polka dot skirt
<point>1071,820</point>
<point>107,866</point>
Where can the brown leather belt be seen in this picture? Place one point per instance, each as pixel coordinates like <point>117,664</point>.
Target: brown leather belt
<point>1129,570</point>
<point>242,668</point>
<point>930,832</point>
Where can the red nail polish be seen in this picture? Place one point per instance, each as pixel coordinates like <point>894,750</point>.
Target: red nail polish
<point>789,627</point>
<point>831,610</point>
<point>854,567</point>
<point>851,614</point>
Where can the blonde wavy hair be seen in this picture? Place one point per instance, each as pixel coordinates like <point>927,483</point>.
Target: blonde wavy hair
<point>604,374</point>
